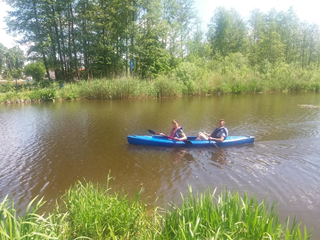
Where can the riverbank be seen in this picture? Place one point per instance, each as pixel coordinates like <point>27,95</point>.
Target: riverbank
<point>188,79</point>
<point>95,212</point>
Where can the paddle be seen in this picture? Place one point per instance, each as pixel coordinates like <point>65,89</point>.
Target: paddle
<point>214,144</point>
<point>210,141</point>
<point>185,141</point>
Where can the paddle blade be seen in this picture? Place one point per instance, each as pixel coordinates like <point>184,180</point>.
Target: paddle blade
<point>187,142</point>
<point>152,132</point>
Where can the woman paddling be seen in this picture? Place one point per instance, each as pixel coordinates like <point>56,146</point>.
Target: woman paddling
<point>176,132</point>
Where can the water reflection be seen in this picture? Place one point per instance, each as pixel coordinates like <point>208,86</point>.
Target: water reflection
<point>178,155</point>
<point>219,157</point>
<point>46,148</point>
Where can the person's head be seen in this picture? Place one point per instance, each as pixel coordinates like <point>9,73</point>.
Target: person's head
<point>175,124</point>
<point>221,122</point>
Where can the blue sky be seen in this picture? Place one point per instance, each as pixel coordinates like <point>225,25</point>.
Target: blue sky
<point>307,10</point>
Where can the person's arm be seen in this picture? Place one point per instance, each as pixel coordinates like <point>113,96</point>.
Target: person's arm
<point>184,137</point>
<point>217,139</point>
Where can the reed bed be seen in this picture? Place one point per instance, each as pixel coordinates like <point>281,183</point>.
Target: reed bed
<point>227,216</point>
<point>187,79</point>
<point>92,211</point>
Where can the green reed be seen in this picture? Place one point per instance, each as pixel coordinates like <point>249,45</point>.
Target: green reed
<point>200,78</point>
<point>31,225</point>
<point>226,216</point>
<point>89,211</point>
<point>95,212</point>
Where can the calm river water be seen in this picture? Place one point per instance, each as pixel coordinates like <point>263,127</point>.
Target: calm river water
<point>46,148</point>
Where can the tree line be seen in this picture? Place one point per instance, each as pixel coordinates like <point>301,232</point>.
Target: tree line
<point>11,62</point>
<point>144,38</point>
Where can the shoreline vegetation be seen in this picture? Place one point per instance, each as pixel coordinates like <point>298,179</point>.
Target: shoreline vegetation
<point>154,49</point>
<point>198,78</point>
<point>89,211</point>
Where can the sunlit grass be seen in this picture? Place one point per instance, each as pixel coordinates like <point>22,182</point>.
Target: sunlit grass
<point>226,77</point>
<point>89,211</point>
<point>31,225</point>
<point>227,216</point>
<point>95,212</point>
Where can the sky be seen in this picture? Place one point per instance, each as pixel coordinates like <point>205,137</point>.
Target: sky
<point>306,10</point>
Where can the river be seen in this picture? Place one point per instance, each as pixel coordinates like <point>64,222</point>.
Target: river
<point>46,148</point>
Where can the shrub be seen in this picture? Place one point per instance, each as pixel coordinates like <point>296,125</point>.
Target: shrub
<point>48,94</point>
<point>36,70</point>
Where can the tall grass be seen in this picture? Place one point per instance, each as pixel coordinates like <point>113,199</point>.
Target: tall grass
<point>31,225</point>
<point>227,216</point>
<point>97,213</point>
<point>232,74</point>
<point>89,211</point>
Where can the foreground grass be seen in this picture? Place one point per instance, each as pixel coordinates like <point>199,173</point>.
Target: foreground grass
<point>93,212</point>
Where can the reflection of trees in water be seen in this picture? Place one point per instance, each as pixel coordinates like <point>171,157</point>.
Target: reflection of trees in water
<point>179,154</point>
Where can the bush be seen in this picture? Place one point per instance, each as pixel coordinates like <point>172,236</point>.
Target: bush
<point>36,70</point>
<point>35,95</point>
<point>186,72</point>
<point>48,94</point>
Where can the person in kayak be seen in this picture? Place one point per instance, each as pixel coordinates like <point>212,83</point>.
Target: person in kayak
<point>218,135</point>
<point>176,132</point>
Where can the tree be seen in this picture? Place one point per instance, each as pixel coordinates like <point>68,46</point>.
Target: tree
<point>11,61</point>
<point>227,32</point>
<point>197,47</point>
<point>179,22</point>
<point>36,70</point>
<point>265,39</point>
<point>29,18</point>
<point>288,28</point>
<point>3,51</point>
<point>151,55</point>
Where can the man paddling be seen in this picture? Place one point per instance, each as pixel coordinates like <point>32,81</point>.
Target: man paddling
<point>218,135</point>
<point>176,132</point>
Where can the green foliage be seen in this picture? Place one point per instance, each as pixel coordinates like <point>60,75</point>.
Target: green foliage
<point>43,83</point>
<point>8,87</point>
<point>17,73</point>
<point>36,70</point>
<point>158,35</point>
<point>89,211</point>
<point>11,62</point>
<point>227,216</point>
<point>186,71</point>
<point>96,213</point>
<point>227,32</point>
<point>31,225</point>
<point>35,95</point>
<point>166,87</point>
<point>47,94</point>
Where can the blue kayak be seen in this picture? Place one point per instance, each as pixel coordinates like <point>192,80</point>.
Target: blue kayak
<point>157,140</point>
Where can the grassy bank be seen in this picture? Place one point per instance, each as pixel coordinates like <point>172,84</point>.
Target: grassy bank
<point>91,211</point>
<point>197,78</point>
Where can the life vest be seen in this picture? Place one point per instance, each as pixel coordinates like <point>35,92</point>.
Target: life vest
<point>174,132</point>
<point>217,130</point>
